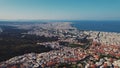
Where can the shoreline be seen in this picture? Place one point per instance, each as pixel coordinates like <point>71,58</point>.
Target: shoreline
<point>98,45</point>
<point>103,26</point>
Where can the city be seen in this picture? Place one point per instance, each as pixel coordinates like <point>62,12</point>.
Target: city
<point>74,48</point>
<point>59,33</point>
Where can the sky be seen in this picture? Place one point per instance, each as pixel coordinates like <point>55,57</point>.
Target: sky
<point>59,9</point>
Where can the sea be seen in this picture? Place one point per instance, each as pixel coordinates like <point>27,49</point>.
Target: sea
<point>105,26</point>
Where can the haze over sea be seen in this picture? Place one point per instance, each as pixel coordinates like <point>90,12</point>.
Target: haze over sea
<point>106,26</point>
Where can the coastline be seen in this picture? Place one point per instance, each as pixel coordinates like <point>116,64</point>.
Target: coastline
<point>103,26</point>
<point>98,43</point>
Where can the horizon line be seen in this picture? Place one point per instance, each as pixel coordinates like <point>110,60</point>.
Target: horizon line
<point>50,20</point>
